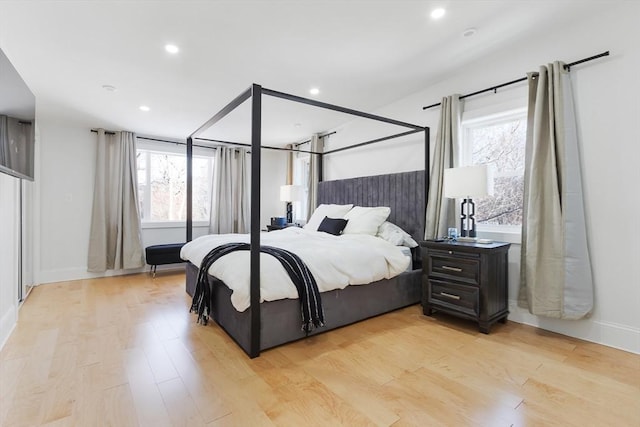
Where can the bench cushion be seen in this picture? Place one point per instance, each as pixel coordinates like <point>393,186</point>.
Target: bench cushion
<point>164,254</point>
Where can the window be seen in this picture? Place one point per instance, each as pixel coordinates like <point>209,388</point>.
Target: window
<point>498,141</point>
<point>301,177</point>
<point>162,186</point>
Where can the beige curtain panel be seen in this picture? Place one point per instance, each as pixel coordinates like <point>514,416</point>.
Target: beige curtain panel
<point>290,162</point>
<point>316,145</point>
<point>556,279</point>
<point>440,210</point>
<point>115,242</point>
<point>231,189</point>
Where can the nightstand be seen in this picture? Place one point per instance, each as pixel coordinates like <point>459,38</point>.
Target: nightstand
<point>468,280</point>
<point>279,227</point>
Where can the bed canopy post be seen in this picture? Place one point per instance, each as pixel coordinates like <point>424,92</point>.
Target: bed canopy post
<point>427,164</point>
<point>256,146</point>
<point>189,189</point>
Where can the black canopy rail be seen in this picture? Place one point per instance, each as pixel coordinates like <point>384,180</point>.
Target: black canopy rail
<point>255,92</point>
<point>522,79</point>
<point>267,147</point>
<point>373,141</point>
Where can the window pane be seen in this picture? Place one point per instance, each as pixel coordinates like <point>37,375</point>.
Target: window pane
<point>201,188</point>
<point>301,177</point>
<point>162,186</point>
<point>168,187</point>
<point>501,145</point>
<point>141,161</point>
<point>505,206</point>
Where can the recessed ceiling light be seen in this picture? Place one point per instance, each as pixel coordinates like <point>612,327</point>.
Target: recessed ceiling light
<point>109,88</point>
<point>314,91</point>
<point>144,108</point>
<point>437,13</point>
<point>171,48</point>
<point>469,32</point>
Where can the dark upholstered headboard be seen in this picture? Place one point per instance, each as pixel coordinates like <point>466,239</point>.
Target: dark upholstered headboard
<point>403,192</point>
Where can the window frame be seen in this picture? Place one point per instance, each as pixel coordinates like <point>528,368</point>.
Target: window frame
<point>507,233</point>
<point>177,149</point>
<point>301,163</point>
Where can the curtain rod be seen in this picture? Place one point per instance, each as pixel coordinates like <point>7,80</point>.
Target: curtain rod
<point>308,140</point>
<point>495,88</point>
<point>110,132</point>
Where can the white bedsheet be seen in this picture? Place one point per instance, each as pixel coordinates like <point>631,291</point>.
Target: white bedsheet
<point>335,261</point>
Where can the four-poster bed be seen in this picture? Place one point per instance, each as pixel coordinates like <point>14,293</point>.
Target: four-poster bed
<point>271,323</point>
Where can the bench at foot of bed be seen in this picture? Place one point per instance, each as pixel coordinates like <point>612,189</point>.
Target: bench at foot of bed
<point>163,254</point>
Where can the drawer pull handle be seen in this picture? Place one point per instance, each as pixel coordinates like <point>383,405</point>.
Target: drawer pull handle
<point>444,294</point>
<point>446,267</point>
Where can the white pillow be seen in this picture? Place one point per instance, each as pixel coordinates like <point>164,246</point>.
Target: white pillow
<point>396,235</point>
<point>332,211</point>
<point>365,220</point>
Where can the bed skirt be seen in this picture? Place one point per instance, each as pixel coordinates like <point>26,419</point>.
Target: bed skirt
<point>281,320</point>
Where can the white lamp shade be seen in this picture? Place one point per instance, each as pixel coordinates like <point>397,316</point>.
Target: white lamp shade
<point>290,193</point>
<point>468,181</point>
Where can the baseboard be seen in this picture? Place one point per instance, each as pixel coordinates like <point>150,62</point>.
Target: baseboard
<point>7,325</point>
<point>611,334</point>
<point>63,275</point>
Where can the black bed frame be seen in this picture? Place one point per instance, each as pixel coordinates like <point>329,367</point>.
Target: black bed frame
<point>251,319</point>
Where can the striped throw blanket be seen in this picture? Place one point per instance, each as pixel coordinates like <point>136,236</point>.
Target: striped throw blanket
<point>305,283</point>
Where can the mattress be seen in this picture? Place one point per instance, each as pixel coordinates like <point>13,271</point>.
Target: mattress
<point>335,262</point>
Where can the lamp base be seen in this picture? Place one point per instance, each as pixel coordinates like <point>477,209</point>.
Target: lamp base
<point>467,218</point>
<point>289,212</point>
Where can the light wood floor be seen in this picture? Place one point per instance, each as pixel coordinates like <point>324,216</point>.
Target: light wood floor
<point>125,351</point>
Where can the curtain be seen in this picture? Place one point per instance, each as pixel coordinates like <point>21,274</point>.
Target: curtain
<point>230,203</point>
<point>116,239</point>
<point>14,144</point>
<point>290,160</point>
<point>314,173</point>
<point>290,176</point>
<point>440,210</point>
<point>556,279</point>
<point>4,142</point>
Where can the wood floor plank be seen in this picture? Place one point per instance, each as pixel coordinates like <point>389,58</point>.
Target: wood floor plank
<point>10,374</point>
<point>363,393</point>
<point>125,351</point>
<point>180,406</point>
<point>117,408</point>
<point>146,396</point>
<point>208,399</point>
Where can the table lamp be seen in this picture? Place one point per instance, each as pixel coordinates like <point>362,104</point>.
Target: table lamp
<point>465,183</point>
<point>290,193</point>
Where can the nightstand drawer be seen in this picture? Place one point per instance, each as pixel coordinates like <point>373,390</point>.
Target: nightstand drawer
<point>461,298</point>
<point>460,268</point>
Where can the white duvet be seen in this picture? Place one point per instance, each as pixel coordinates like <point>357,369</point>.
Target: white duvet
<point>335,261</point>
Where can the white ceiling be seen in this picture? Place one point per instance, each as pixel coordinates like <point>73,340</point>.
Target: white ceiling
<point>361,54</point>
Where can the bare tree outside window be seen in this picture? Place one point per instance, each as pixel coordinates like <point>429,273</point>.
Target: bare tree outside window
<point>162,186</point>
<point>502,146</point>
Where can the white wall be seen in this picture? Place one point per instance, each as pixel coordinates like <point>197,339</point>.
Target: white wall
<point>9,247</point>
<point>66,196</point>
<point>606,94</point>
